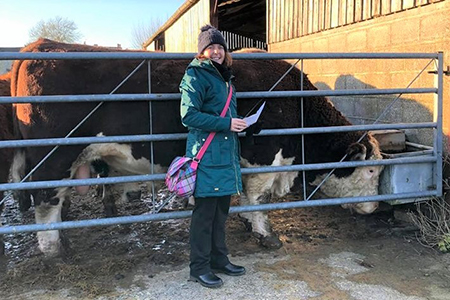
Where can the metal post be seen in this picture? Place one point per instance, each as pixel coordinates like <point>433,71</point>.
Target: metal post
<point>150,119</point>
<point>437,117</point>
<point>303,136</point>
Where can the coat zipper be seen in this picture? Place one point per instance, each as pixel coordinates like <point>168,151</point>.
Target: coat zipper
<point>234,166</point>
<point>234,137</point>
<point>234,155</point>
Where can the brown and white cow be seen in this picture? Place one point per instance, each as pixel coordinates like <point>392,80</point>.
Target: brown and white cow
<point>66,77</point>
<point>6,133</point>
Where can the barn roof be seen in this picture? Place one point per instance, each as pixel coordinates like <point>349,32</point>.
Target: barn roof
<point>178,13</point>
<point>231,16</point>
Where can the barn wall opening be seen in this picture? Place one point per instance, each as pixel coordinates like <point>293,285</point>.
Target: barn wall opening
<point>243,23</point>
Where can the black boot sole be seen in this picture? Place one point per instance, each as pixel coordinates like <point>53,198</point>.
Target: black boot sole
<point>211,286</point>
<point>228,273</point>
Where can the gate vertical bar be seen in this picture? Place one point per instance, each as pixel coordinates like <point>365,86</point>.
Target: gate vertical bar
<point>150,109</point>
<point>303,136</point>
<point>437,117</point>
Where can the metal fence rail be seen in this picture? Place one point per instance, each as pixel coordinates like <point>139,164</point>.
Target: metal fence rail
<point>160,55</point>
<point>435,158</point>
<point>181,136</point>
<point>187,214</point>
<point>241,95</point>
<point>254,170</point>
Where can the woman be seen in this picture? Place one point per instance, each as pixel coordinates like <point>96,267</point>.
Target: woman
<point>204,89</point>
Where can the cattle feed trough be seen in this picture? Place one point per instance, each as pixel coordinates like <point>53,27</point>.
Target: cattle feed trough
<point>278,164</point>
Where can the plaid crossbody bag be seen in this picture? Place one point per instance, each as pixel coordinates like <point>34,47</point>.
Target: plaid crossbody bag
<point>182,172</point>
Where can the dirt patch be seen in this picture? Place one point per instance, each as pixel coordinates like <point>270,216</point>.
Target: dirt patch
<point>101,260</point>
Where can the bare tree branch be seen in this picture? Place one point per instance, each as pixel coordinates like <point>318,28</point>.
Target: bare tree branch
<point>142,31</point>
<point>58,29</point>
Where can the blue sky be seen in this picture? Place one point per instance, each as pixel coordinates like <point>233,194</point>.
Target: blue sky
<point>102,22</point>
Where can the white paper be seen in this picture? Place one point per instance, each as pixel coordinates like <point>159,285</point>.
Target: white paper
<point>253,118</point>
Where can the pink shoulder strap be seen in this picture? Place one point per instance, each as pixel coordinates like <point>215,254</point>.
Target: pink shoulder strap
<point>210,137</point>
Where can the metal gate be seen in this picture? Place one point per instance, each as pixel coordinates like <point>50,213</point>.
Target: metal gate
<point>434,157</point>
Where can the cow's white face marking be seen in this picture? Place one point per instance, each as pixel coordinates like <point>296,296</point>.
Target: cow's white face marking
<point>49,242</point>
<point>256,185</point>
<point>120,161</point>
<point>278,184</point>
<point>18,166</point>
<point>117,156</point>
<point>362,208</point>
<point>362,182</point>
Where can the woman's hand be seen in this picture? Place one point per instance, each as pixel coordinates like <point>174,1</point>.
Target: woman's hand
<point>237,125</point>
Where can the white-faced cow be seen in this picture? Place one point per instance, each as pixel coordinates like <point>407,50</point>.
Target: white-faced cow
<point>66,77</point>
<point>6,133</point>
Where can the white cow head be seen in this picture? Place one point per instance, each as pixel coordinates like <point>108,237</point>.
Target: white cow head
<point>362,182</point>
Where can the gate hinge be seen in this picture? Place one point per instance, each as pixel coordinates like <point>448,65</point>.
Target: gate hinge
<point>446,73</point>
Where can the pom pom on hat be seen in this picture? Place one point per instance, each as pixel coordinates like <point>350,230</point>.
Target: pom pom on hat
<point>210,35</point>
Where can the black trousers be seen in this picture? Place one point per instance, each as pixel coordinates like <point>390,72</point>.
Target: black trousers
<point>207,234</point>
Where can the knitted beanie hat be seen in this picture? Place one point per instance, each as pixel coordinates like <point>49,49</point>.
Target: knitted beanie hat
<point>210,35</point>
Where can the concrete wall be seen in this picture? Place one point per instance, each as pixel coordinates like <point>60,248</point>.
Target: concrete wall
<point>422,29</point>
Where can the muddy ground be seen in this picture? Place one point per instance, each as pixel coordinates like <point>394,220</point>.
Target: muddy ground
<point>328,253</point>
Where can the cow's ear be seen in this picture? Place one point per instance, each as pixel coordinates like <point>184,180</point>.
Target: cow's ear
<point>356,151</point>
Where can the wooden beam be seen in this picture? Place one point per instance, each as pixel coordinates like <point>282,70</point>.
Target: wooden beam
<point>214,13</point>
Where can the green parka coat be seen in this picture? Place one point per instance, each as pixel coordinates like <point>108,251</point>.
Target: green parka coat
<point>204,93</point>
